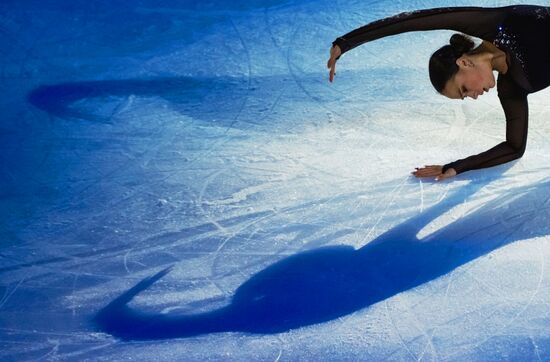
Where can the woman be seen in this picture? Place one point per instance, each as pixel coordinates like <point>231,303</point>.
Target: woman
<point>516,43</point>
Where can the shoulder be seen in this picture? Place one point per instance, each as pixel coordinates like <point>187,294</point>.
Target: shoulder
<point>526,15</point>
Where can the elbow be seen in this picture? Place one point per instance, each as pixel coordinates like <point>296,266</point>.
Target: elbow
<point>518,150</point>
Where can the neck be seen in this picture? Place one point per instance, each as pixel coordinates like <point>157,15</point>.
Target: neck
<point>496,56</point>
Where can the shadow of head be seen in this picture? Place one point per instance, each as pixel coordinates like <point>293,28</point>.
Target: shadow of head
<point>196,97</point>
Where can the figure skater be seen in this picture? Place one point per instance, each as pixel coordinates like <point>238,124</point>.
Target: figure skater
<point>516,44</point>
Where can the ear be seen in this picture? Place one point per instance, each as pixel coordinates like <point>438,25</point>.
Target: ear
<point>464,62</point>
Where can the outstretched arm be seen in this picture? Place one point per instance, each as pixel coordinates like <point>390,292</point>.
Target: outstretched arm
<point>475,21</point>
<point>515,106</point>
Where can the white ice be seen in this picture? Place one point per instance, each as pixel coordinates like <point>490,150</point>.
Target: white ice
<point>204,136</point>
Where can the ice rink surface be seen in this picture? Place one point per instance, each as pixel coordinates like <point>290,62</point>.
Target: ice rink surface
<point>180,181</point>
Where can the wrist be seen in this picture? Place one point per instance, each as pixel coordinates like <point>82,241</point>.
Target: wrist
<point>449,166</point>
<point>342,44</point>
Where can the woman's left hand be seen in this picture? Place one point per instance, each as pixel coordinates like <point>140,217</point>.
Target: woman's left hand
<point>434,170</point>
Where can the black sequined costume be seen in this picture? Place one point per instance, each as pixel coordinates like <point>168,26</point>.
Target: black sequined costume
<point>522,32</point>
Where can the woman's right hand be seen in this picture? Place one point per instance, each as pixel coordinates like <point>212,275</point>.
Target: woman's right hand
<point>335,52</point>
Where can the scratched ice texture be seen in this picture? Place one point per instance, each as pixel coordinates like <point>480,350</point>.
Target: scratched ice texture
<point>180,181</point>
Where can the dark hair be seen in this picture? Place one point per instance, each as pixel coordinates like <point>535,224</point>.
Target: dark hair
<point>443,62</point>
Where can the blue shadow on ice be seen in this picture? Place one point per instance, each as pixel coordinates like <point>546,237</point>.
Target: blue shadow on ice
<point>197,97</point>
<point>330,282</point>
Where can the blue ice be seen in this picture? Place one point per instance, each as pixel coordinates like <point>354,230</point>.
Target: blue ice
<point>180,181</point>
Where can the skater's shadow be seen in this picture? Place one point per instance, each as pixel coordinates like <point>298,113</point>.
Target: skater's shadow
<point>193,96</point>
<point>323,284</point>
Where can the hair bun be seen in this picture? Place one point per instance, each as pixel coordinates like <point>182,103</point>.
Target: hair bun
<point>461,44</point>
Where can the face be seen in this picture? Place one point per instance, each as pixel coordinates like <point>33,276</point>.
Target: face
<point>472,79</point>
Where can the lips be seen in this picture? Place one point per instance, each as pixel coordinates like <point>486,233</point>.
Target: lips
<point>483,91</point>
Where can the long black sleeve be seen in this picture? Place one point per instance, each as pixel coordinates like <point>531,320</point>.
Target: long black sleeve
<point>514,103</point>
<point>479,22</point>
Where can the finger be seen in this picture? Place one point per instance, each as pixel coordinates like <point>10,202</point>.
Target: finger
<point>435,170</point>
<point>427,169</point>
<point>422,176</point>
<point>332,72</point>
<point>429,173</point>
<point>425,173</point>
